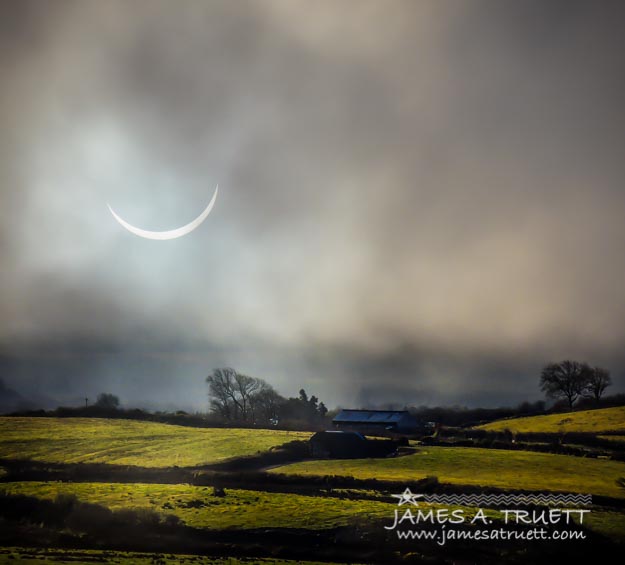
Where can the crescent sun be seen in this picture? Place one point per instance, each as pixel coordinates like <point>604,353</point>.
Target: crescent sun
<point>169,234</point>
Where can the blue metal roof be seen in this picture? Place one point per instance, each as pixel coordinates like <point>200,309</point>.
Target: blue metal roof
<point>371,416</point>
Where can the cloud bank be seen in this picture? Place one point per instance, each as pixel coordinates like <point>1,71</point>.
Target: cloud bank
<point>418,202</point>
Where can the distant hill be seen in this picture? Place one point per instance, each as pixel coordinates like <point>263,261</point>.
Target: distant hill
<point>592,421</point>
<point>11,400</point>
<point>14,401</point>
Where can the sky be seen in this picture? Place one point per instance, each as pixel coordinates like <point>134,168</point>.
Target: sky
<point>420,202</point>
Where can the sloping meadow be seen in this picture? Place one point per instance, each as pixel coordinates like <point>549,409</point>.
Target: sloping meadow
<point>129,442</point>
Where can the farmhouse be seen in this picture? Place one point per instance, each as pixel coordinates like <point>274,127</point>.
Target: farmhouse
<point>376,421</point>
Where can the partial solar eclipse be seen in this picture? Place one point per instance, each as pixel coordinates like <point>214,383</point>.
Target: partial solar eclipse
<point>169,234</point>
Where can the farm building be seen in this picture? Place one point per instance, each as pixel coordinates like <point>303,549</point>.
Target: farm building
<point>349,445</point>
<point>376,421</point>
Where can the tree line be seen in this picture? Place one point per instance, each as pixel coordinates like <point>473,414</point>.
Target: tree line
<point>240,399</point>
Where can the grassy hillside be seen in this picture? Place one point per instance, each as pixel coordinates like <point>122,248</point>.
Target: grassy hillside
<point>198,508</point>
<point>129,442</point>
<point>593,421</point>
<point>482,467</point>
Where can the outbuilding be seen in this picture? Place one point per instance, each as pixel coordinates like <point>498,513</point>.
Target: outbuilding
<point>376,421</point>
<point>349,445</point>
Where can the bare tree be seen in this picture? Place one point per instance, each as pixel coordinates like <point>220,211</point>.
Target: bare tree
<point>567,379</point>
<point>236,397</point>
<point>222,396</point>
<point>246,388</point>
<point>598,380</point>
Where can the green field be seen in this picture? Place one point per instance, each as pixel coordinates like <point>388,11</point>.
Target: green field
<point>35,556</point>
<point>154,445</point>
<point>243,509</point>
<point>591,421</point>
<point>130,442</point>
<point>239,509</point>
<point>483,467</point>
<point>197,507</point>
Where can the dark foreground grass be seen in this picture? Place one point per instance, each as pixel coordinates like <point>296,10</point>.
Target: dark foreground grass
<point>36,556</point>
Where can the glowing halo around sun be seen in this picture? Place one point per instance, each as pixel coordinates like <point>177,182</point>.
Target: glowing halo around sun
<point>169,234</point>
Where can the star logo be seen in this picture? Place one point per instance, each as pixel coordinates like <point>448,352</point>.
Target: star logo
<point>407,497</point>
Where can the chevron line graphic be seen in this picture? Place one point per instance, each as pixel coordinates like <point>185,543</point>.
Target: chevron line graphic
<point>542,499</point>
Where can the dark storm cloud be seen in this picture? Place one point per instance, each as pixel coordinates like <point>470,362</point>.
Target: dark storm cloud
<point>425,195</point>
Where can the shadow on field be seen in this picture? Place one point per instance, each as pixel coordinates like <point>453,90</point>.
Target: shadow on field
<point>68,523</point>
<point>336,486</point>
